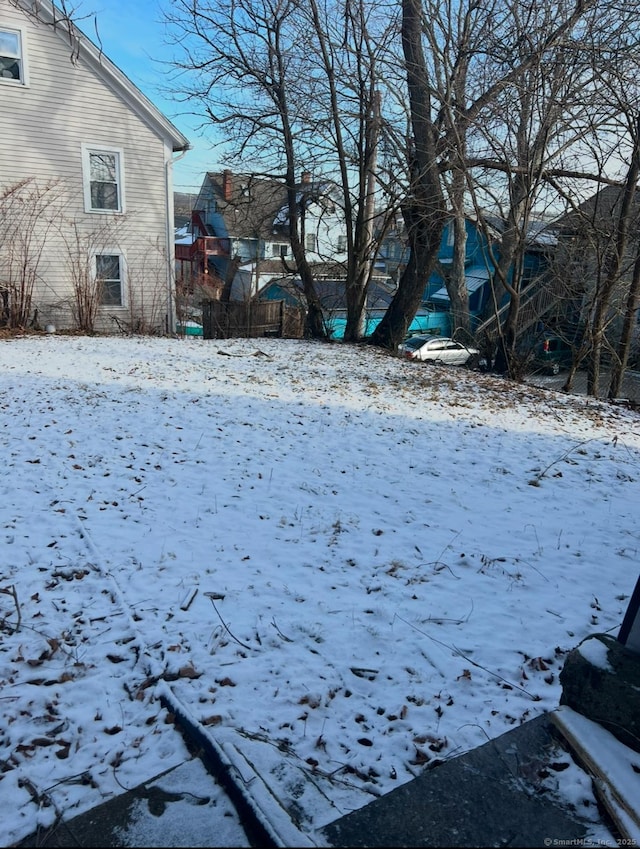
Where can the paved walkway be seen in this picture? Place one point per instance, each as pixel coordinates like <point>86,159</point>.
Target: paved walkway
<point>491,796</point>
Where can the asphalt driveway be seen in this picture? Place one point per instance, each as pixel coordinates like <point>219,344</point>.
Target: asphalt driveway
<point>630,385</point>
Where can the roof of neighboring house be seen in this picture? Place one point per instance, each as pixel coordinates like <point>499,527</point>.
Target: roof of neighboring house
<point>475,277</point>
<point>331,290</point>
<point>184,236</point>
<point>95,58</point>
<point>600,211</point>
<point>539,233</point>
<point>277,265</point>
<point>322,271</point>
<point>542,234</point>
<point>254,207</point>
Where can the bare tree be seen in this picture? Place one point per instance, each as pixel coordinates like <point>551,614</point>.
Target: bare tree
<point>81,248</point>
<point>424,210</point>
<point>146,296</point>
<point>244,59</point>
<point>493,89</point>
<point>28,211</point>
<point>457,36</point>
<point>350,47</point>
<point>606,227</point>
<point>623,350</point>
<point>439,131</point>
<point>614,261</point>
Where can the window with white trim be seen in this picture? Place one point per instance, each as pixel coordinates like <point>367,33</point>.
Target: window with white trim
<point>103,179</point>
<point>310,242</point>
<point>11,56</point>
<point>110,279</point>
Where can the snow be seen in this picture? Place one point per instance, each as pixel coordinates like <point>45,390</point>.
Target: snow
<point>345,565</point>
<point>616,765</point>
<point>190,821</point>
<point>597,654</point>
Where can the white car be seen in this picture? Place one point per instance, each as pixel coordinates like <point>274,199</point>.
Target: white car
<point>438,349</point>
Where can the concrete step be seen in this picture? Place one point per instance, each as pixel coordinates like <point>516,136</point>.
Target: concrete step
<point>490,796</point>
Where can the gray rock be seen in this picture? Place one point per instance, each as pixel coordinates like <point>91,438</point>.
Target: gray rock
<point>601,680</point>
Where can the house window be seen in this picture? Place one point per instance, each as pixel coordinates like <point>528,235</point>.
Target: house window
<point>310,242</point>
<point>110,280</point>
<point>11,56</point>
<point>103,180</point>
<point>279,250</point>
<point>342,243</point>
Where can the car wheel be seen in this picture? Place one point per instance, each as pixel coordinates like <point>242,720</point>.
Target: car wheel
<point>555,368</point>
<point>473,362</point>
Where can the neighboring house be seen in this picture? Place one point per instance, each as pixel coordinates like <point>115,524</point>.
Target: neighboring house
<point>330,285</point>
<point>240,229</point>
<point>479,269</point>
<point>481,254</point>
<point>86,191</point>
<point>588,241</point>
<point>587,244</point>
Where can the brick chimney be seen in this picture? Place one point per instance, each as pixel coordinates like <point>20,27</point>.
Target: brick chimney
<point>305,178</point>
<point>227,185</point>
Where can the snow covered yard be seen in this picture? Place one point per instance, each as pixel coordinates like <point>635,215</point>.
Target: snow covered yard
<point>346,566</point>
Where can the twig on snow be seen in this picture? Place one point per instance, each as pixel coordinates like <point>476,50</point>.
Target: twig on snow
<point>536,480</point>
<point>461,654</point>
<point>285,638</point>
<point>211,597</point>
<point>14,595</point>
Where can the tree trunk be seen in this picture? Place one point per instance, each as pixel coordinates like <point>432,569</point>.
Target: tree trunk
<point>457,285</point>
<point>613,266</point>
<point>361,261</point>
<point>424,209</point>
<point>314,321</point>
<point>630,318</point>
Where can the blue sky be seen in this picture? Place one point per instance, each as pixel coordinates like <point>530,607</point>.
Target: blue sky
<point>133,36</point>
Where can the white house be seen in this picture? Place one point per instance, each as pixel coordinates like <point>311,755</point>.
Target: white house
<point>86,185</point>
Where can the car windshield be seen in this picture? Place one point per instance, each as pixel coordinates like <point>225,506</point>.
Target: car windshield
<point>415,342</point>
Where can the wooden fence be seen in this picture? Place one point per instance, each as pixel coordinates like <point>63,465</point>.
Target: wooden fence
<point>248,319</point>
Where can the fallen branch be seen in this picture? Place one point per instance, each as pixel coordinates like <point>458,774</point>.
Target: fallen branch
<point>186,604</point>
<point>465,657</point>
<point>257,353</point>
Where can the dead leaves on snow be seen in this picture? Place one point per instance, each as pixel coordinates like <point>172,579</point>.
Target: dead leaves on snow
<point>187,671</point>
<point>538,664</point>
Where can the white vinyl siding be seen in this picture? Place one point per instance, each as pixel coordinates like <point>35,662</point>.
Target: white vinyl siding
<point>12,63</point>
<point>46,126</point>
<point>103,178</point>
